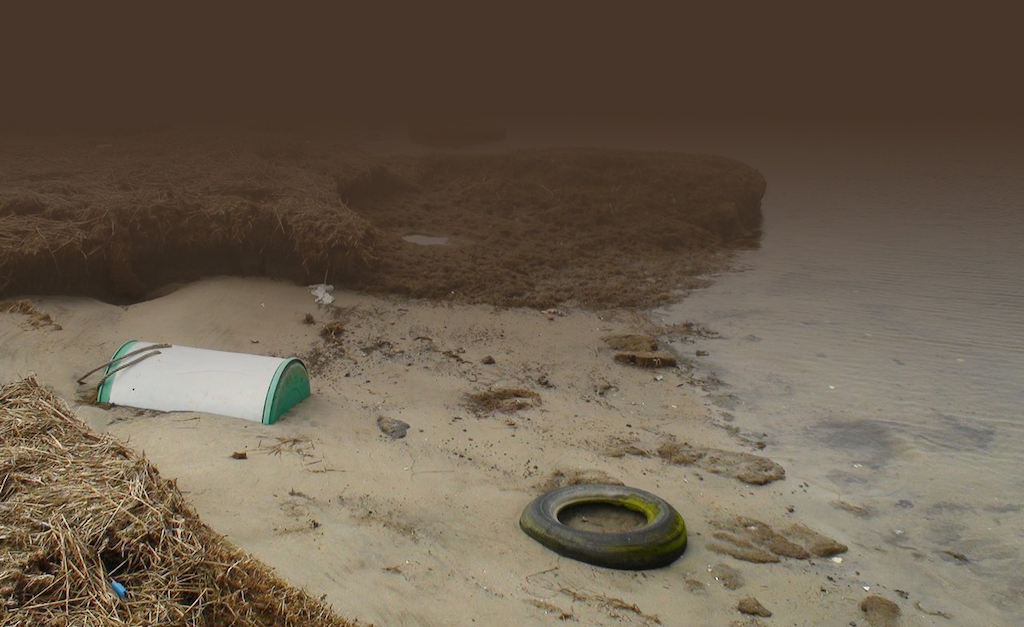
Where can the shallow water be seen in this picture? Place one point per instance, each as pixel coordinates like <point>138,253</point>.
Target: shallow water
<point>876,339</point>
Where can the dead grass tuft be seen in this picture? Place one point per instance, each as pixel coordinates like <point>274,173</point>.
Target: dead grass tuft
<point>333,332</point>
<point>156,209</point>
<point>505,400</point>
<point>647,359</point>
<point>551,608</point>
<point>78,510</point>
<point>610,603</point>
<point>38,319</point>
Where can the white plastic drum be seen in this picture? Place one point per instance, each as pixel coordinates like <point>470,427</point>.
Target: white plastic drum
<point>180,378</point>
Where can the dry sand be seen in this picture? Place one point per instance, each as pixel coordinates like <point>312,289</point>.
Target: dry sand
<point>423,530</point>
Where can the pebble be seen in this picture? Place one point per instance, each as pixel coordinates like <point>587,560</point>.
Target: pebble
<point>753,607</point>
<point>392,427</point>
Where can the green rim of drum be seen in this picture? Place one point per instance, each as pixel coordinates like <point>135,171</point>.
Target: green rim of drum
<point>103,392</point>
<point>288,388</point>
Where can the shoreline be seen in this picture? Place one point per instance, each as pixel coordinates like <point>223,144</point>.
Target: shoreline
<point>338,508</point>
<point>745,382</point>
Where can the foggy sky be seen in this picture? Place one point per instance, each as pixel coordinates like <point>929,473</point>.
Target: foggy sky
<point>81,66</point>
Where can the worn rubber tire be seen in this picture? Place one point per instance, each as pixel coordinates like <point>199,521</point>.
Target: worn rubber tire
<point>658,543</point>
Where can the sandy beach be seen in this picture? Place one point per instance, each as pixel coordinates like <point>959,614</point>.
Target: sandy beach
<point>764,265</point>
<point>422,528</point>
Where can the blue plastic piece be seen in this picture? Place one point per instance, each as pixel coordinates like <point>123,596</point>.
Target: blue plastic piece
<point>118,589</point>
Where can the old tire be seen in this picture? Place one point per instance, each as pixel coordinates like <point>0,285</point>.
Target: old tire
<point>657,543</point>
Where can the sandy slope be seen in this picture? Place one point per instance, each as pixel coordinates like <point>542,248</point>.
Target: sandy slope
<point>423,530</point>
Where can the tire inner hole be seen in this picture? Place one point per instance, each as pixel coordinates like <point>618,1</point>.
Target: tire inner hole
<point>601,517</point>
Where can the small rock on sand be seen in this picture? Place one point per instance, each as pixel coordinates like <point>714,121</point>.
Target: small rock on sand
<point>392,427</point>
<point>752,469</point>
<point>880,612</point>
<point>751,540</point>
<point>753,607</point>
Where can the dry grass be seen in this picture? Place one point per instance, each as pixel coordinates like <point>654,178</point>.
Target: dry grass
<point>609,603</point>
<point>647,359</point>
<point>535,228</point>
<point>122,220</point>
<point>551,608</point>
<point>505,400</point>
<point>38,319</point>
<point>333,332</point>
<point>78,509</point>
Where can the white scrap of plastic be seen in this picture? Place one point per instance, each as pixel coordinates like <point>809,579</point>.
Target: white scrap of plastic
<point>322,293</point>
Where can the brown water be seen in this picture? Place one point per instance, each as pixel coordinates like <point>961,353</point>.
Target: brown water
<point>877,339</point>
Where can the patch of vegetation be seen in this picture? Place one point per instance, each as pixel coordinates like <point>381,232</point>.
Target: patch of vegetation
<point>505,400</point>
